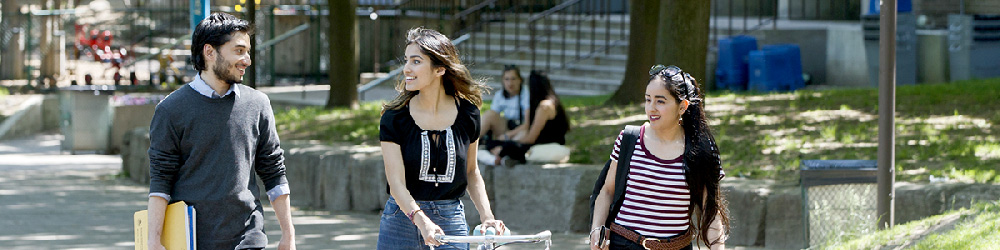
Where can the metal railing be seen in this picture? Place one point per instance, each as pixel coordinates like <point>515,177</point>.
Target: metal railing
<point>753,17</point>
<point>741,17</point>
<point>549,32</point>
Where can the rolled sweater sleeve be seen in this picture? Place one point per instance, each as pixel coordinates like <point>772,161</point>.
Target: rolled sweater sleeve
<point>270,160</point>
<point>164,154</point>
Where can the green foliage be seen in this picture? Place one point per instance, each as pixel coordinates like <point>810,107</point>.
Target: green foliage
<point>977,228</point>
<point>947,129</point>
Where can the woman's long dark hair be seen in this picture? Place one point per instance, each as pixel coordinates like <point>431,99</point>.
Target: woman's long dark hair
<point>702,164</point>
<point>457,80</point>
<point>540,89</point>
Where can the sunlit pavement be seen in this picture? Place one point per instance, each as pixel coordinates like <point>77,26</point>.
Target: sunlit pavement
<point>54,200</point>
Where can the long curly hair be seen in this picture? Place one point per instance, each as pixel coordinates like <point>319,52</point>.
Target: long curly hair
<point>457,80</point>
<point>702,164</point>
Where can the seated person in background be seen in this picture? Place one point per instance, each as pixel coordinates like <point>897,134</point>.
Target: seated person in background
<point>509,110</point>
<point>547,123</point>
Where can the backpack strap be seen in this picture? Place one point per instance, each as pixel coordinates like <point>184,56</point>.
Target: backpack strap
<point>629,138</point>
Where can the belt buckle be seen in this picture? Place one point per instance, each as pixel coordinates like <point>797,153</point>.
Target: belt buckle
<point>643,243</point>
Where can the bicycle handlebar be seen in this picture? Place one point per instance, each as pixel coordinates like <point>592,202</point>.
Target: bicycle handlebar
<point>544,235</point>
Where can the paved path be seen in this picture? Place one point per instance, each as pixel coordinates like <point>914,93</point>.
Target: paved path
<point>51,200</point>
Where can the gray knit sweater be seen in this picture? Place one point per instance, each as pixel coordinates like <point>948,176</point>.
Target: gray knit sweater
<point>207,152</point>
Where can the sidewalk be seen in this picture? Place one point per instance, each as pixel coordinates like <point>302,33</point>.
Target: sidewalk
<point>51,200</point>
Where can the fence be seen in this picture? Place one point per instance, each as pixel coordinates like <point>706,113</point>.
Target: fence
<point>838,198</point>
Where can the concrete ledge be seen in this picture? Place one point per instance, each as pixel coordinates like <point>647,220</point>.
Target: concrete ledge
<point>26,120</point>
<point>556,197</point>
<point>747,210</point>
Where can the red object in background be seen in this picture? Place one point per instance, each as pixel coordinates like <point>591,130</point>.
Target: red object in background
<point>132,78</point>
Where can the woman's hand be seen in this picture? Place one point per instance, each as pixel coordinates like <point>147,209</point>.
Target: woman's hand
<point>495,224</point>
<point>428,230</point>
<point>596,243</point>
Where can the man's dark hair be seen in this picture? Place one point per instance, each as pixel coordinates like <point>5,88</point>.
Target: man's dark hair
<point>215,30</point>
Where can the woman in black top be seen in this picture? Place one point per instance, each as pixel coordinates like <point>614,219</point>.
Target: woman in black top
<point>428,133</point>
<point>547,119</point>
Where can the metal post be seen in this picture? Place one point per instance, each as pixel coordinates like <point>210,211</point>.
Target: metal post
<point>270,49</point>
<point>27,49</point>
<point>774,22</point>
<point>745,16</point>
<point>250,79</point>
<point>149,46</point>
<point>730,18</point>
<point>886,112</point>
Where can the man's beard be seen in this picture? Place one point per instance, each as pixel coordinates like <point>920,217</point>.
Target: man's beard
<point>222,71</point>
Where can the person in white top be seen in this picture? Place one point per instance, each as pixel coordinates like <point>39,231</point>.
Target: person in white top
<point>509,110</point>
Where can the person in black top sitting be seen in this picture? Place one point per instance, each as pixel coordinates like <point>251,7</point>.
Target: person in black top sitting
<point>428,134</point>
<point>547,119</point>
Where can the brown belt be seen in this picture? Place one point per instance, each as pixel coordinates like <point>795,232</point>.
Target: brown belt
<point>675,243</point>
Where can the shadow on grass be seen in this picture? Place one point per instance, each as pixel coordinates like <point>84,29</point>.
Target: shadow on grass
<point>941,129</point>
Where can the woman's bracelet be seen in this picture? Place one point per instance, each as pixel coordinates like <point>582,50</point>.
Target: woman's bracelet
<point>595,229</point>
<point>412,213</point>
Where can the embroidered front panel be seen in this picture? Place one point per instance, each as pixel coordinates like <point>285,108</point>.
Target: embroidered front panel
<point>429,174</point>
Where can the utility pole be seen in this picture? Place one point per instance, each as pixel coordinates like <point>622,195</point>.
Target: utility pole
<point>886,114</point>
<point>250,79</point>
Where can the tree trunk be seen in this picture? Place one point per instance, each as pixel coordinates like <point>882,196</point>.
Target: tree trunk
<point>644,21</point>
<point>12,51</point>
<point>683,37</point>
<point>250,78</point>
<point>343,68</point>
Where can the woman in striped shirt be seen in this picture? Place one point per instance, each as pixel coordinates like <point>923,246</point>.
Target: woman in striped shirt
<point>672,190</point>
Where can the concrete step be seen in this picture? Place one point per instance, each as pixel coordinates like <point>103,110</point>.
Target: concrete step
<point>563,80</point>
<point>555,50</point>
<point>555,40</point>
<point>614,19</point>
<point>582,30</point>
<point>578,69</point>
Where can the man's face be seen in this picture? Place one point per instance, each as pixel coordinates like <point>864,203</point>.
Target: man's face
<point>233,58</point>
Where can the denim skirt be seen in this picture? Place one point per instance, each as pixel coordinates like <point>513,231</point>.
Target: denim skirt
<point>396,231</point>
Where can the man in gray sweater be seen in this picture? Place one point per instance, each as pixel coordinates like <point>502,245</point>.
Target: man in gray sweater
<point>208,141</point>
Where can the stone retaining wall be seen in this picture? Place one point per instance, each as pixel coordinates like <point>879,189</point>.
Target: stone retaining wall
<point>532,198</point>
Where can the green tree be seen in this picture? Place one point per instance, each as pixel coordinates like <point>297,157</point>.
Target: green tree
<point>683,36</point>
<point>343,70</point>
<point>669,32</point>
<point>643,23</point>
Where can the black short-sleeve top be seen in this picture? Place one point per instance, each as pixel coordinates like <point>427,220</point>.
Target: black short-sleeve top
<point>435,168</point>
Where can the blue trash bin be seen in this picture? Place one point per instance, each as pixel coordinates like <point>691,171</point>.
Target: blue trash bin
<point>787,66</point>
<point>775,67</point>
<point>732,69</point>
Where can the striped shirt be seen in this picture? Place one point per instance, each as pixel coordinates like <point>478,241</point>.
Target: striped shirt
<point>656,194</point>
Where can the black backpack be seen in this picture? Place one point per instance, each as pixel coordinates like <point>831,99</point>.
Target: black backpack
<point>629,137</point>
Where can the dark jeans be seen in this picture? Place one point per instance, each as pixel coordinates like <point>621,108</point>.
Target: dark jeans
<point>619,242</point>
<point>512,149</point>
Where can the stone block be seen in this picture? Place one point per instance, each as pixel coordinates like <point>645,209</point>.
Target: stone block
<point>533,198</point>
<point>334,180</point>
<point>50,113</point>
<point>747,210</point>
<point>300,170</point>
<point>135,154</point>
<point>784,229</point>
<point>914,202</point>
<point>127,117</point>
<point>367,179</point>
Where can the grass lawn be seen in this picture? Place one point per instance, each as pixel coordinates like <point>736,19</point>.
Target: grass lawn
<point>943,129</point>
<point>973,228</point>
